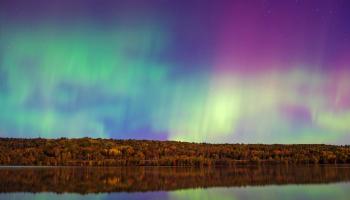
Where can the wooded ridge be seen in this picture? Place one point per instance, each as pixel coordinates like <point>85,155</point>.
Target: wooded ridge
<point>110,152</point>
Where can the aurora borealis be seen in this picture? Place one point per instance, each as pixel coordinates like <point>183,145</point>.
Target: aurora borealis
<point>257,71</point>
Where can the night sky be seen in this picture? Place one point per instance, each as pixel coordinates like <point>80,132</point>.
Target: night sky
<point>251,71</point>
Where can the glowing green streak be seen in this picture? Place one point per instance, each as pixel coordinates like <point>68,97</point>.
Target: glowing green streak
<point>38,62</point>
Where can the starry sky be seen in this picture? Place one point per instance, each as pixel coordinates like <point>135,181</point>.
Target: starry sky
<point>233,71</point>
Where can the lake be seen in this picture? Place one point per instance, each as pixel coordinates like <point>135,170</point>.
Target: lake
<point>176,183</point>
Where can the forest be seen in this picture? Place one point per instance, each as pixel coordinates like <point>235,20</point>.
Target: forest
<point>111,152</point>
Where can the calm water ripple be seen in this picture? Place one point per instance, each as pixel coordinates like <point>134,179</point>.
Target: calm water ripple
<point>176,183</point>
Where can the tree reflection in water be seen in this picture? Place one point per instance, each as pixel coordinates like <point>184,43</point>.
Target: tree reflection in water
<point>86,180</point>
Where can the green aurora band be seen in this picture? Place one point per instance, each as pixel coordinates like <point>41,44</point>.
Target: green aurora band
<point>145,75</point>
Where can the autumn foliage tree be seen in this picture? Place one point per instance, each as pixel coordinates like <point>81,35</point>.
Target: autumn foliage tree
<point>108,152</point>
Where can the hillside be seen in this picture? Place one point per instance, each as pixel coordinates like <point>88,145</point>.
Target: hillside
<point>109,152</point>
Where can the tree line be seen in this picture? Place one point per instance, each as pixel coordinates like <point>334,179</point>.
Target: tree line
<point>110,152</point>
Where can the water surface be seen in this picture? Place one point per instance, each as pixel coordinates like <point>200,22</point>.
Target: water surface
<point>176,183</point>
